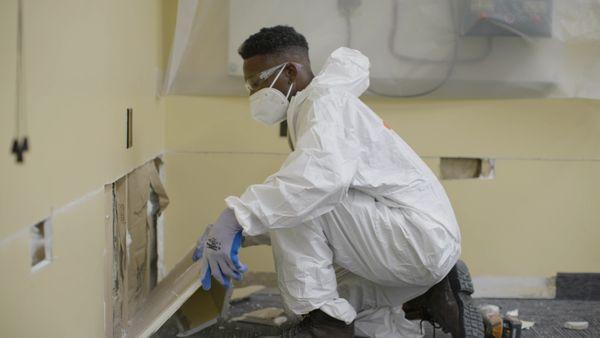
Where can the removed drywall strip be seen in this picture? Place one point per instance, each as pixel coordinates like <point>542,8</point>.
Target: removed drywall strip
<point>160,226</point>
<point>243,293</point>
<point>171,294</point>
<point>109,211</point>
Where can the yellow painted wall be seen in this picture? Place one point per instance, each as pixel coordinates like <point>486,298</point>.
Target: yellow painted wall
<point>86,61</point>
<point>214,149</point>
<point>537,217</point>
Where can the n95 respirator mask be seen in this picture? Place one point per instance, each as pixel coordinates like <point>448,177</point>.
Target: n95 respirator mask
<point>269,105</point>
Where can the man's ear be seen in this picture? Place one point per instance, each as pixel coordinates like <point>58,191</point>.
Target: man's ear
<point>291,72</point>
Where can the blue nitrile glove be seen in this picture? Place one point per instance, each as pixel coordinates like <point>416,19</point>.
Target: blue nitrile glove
<point>218,251</point>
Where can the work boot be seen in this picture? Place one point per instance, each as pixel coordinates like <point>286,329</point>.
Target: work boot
<point>319,324</point>
<point>449,304</point>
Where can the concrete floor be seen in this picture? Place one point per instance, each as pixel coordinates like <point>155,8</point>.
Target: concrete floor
<point>548,315</point>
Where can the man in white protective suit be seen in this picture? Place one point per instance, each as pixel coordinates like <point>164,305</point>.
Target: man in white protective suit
<point>363,234</point>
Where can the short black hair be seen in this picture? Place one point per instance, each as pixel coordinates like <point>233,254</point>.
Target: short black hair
<point>273,40</point>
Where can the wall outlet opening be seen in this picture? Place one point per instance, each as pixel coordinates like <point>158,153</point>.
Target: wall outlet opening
<point>129,129</point>
<point>456,168</point>
<point>41,244</point>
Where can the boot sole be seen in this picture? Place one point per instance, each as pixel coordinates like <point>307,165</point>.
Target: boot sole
<point>462,287</point>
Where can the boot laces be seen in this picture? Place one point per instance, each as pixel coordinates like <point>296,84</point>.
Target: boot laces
<point>432,323</point>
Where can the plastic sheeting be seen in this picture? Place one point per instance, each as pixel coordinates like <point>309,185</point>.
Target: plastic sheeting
<point>438,48</point>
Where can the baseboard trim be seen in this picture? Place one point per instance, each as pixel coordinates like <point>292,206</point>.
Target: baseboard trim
<point>514,287</point>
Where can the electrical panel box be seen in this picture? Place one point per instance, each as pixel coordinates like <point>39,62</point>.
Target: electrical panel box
<point>507,18</point>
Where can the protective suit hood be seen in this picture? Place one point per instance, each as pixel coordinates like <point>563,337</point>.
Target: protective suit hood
<point>345,69</point>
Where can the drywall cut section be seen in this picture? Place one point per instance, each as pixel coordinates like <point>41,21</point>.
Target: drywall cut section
<point>135,203</point>
<point>179,297</point>
<point>41,244</point>
<point>456,168</point>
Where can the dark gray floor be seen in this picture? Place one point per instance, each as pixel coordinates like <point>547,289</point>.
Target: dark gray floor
<point>548,315</point>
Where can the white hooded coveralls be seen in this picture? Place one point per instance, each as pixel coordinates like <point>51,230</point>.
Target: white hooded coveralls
<point>355,198</point>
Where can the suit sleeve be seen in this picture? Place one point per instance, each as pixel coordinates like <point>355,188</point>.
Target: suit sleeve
<point>313,179</point>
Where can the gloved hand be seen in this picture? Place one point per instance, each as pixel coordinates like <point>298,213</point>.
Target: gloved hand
<point>218,251</point>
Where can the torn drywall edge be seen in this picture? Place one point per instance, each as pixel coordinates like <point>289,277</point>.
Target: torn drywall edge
<point>118,263</point>
<point>160,227</point>
<point>159,201</point>
<point>488,170</point>
<point>158,155</point>
<point>160,247</point>
<point>108,259</point>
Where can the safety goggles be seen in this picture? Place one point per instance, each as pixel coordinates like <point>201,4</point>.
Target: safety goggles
<point>254,81</point>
